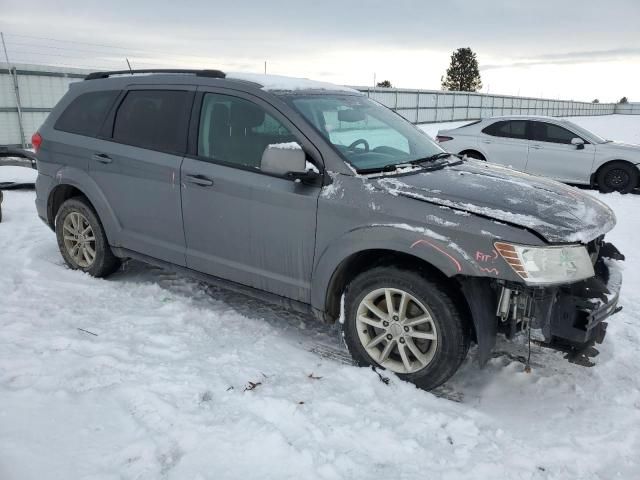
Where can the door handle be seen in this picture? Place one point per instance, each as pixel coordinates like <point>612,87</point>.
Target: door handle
<point>102,158</point>
<point>199,180</point>
<point>536,147</point>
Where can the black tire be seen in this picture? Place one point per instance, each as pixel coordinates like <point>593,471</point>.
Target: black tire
<point>617,177</point>
<point>454,335</point>
<point>104,262</point>
<point>473,154</point>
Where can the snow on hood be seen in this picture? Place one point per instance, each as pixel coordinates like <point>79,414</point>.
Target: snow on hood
<point>281,83</point>
<point>557,212</point>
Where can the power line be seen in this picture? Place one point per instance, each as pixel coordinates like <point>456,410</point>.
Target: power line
<point>123,49</point>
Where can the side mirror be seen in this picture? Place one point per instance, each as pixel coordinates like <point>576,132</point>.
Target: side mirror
<point>578,142</point>
<point>289,160</point>
<point>282,158</point>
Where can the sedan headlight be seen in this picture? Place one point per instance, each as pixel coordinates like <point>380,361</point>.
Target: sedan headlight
<point>547,265</point>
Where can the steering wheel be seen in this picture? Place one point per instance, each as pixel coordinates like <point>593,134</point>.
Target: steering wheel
<point>362,141</point>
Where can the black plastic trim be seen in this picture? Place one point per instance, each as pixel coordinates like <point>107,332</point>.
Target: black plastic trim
<point>198,73</point>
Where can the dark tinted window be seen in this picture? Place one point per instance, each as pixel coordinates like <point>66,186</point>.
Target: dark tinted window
<point>85,114</point>
<point>548,132</point>
<point>235,130</point>
<point>153,119</point>
<point>508,128</point>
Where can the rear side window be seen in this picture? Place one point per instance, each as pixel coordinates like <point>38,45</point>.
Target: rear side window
<point>153,119</point>
<point>85,114</point>
<point>548,132</point>
<point>508,129</point>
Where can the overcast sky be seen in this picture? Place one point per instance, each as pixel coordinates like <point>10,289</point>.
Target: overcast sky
<point>567,49</point>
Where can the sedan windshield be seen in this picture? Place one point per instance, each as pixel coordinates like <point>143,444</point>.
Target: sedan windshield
<point>585,133</point>
<point>367,135</point>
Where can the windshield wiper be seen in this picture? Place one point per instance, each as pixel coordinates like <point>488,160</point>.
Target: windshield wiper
<point>395,166</point>
<point>431,158</point>
<point>385,168</point>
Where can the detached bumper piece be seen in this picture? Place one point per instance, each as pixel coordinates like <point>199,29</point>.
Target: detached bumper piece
<point>580,309</point>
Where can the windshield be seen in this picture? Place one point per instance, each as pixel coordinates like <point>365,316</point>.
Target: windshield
<point>585,133</point>
<point>366,134</point>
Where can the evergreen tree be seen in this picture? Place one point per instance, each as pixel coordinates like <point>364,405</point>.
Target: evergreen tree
<point>384,84</point>
<point>463,74</point>
<point>596,101</point>
<point>624,100</point>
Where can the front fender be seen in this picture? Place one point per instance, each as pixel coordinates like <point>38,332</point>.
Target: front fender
<point>82,181</point>
<point>447,256</point>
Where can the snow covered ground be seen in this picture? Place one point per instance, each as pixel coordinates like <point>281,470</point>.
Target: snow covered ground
<point>146,375</point>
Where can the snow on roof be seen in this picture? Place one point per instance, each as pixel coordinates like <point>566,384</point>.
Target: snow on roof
<point>279,82</point>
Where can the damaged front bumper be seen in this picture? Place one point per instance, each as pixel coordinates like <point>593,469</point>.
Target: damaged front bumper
<point>568,316</point>
<point>579,310</point>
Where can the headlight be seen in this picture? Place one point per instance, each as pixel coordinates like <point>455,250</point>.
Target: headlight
<point>547,265</point>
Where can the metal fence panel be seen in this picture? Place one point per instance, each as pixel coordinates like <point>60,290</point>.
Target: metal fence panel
<point>41,87</point>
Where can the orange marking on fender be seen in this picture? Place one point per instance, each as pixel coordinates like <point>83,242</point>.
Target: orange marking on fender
<point>490,270</point>
<point>456,263</point>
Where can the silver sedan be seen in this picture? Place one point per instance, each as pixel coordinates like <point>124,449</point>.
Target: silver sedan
<point>550,147</point>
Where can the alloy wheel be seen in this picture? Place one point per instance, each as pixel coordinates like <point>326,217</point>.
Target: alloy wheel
<point>617,179</point>
<point>79,239</point>
<point>396,330</point>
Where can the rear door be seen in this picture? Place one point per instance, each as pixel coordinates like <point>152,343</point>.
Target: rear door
<point>505,142</point>
<point>136,164</point>
<point>240,223</point>
<point>551,153</point>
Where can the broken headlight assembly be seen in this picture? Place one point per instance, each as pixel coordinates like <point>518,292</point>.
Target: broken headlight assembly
<point>547,265</point>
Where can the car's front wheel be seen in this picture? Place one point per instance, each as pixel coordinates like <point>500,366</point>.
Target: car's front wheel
<point>82,241</point>
<point>405,323</point>
<point>617,177</point>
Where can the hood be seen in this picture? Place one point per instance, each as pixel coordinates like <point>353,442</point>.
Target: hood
<point>624,147</point>
<point>555,211</point>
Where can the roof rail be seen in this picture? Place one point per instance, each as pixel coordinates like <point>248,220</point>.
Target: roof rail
<point>199,73</point>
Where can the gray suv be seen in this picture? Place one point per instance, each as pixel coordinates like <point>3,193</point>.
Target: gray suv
<point>314,196</point>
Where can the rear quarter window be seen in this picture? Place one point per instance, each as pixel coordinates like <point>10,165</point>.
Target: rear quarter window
<point>85,114</point>
<point>507,129</point>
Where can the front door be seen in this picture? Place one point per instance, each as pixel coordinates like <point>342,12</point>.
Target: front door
<point>241,224</point>
<point>552,154</point>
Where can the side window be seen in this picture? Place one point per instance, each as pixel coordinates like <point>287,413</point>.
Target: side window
<point>548,132</point>
<point>508,129</point>
<point>237,131</point>
<point>153,119</point>
<point>85,114</point>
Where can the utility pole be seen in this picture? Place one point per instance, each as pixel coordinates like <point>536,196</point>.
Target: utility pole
<point>14,77</point>
<point>265,67</point>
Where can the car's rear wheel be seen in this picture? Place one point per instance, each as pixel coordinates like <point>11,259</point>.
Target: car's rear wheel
<point>82,241</point>
<point>405,323</point>
<point>617,177</point>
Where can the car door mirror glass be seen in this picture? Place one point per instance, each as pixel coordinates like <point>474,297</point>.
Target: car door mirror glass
<point>284,158</point>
